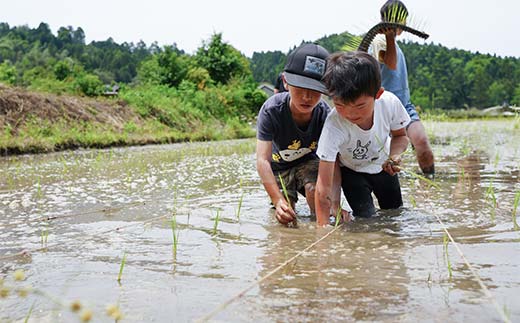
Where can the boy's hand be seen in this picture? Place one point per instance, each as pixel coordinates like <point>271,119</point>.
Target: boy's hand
<point>344,217</point>
<point>391,165</point>
<point>284,213</point>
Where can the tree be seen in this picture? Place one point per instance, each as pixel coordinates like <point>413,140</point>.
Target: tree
<point>222,60</point>
<point>516,96</point>
<point>478,80</point>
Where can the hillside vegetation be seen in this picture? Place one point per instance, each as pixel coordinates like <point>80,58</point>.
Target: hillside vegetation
<point>52,86</point>
<point>52,92</point>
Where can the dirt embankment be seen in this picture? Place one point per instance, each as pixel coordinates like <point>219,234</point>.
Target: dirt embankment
<point>18,105</point>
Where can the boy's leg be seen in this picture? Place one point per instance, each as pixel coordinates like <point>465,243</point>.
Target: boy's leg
<point>358,191</point>
<point>419,140</point>
<point>387,190</point>
<point>306,177</point>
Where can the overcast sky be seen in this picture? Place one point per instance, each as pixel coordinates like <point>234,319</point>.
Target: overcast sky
<point>474,25</point>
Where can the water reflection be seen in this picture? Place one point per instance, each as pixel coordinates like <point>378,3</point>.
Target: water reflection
<point>357,272</point>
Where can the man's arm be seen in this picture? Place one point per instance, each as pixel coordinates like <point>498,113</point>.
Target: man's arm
<point>390,55</point>
<point>284,212</point>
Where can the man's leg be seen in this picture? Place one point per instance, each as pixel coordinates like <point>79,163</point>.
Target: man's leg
<point>419,140</point>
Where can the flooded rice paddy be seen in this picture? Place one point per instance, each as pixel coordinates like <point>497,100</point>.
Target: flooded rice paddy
<point>68,219</point>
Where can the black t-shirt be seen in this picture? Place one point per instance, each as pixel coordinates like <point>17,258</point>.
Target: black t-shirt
<point>291,145</point>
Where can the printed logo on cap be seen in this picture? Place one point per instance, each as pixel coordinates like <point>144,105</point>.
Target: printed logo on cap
<point>314,65</point>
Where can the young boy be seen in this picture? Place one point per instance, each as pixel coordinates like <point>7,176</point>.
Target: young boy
<point>395,80</point>
<point>357,132</point>
<point>289,125</point>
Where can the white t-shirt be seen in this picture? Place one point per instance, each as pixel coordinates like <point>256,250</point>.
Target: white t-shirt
<point>363,150</point>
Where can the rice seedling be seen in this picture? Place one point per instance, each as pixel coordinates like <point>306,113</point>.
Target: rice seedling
<point>286,195</point>
<point>175,234</point>
<point>215,224</point>
<point>422,178</point>
<point>338,215</point>
<point>448,262</point>
<point>413,201</point>
<point>240,200</point>
<point>123,261</point>
<point>44,235</point>
<point>490,193</point>
<point>413,174</point>
<point>515,207</point>
<point>29,313</point>
<point>64,164</point>
<point>507,312</point>
<point>39,193</point>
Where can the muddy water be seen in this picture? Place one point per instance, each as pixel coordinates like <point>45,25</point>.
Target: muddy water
<point>67,219</point>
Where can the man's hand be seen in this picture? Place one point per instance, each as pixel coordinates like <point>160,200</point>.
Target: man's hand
<point>390,32</point>
<point>284,212</point>
<point>391,165</point>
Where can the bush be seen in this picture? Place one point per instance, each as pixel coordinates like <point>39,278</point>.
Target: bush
<point>88,84</point>
<point>7,72</point>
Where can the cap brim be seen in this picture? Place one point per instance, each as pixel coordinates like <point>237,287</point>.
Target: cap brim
<point>305,82</point>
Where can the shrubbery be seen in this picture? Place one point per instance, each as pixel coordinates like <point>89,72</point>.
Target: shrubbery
<point>209,95</point>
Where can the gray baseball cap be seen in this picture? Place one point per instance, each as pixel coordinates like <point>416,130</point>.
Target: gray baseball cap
<point>306,66</point>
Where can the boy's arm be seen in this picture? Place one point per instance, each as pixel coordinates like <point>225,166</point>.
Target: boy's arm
<point>325,192</point>
<point>398,145</point>
<point>284,212</point>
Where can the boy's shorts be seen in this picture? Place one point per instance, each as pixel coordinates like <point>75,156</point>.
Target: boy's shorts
<point>296,178</point>
<point>412,112</point>
<point>358,188</point>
